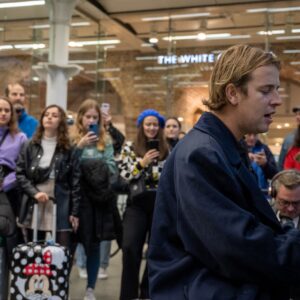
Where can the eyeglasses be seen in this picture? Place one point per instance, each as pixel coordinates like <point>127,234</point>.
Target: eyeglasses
<point>285,203</point>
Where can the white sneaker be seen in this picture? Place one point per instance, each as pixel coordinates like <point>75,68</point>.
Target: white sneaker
<point>82,273</point>
<point>89,294</point>
<point>102,274</point>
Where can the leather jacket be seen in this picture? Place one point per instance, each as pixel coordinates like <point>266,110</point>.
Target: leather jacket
<point>67,178</point>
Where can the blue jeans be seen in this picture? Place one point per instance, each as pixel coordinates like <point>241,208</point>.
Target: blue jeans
<point>105,247</point>
<point>104,253</point>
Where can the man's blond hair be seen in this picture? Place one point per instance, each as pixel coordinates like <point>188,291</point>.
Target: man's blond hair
<point>235,66</point>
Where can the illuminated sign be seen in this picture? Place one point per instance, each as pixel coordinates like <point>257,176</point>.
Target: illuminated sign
<point>186,59</point>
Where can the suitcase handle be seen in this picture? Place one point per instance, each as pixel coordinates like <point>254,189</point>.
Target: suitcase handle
<point>35,218</point>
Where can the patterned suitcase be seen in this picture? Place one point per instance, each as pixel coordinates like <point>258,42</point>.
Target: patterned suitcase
<point>40,270</point>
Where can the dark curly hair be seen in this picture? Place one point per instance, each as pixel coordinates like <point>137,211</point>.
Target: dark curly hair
<point>63,140</point>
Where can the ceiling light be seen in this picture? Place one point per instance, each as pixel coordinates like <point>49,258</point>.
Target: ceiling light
<point>295,63</point>
<point>46,26</point>
<point>85,61</point>
<point>286,125</point>
<point>93,43</point>
<point>29,46</point>
<point>146,58</point>
<point>145,85</point>
<point>102,70</point>
<point>180,119</point>
<point>278,126</point>
<point>290,51</point>
<point>201,36</point>
<point>147,45</point>
<point>297,72</point>
<point>289,37</point>
<point>153,40</point>
<point>6,47</point>
<point>179,16</point>
<point>21,4</point>
<point>271,32</point>
<point>213,36</point>
<point>273,10</point>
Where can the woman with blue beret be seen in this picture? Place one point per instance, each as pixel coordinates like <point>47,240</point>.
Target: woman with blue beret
<point>140,163</point>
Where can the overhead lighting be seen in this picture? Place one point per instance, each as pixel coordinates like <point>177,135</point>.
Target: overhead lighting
<point>213,36</point>
<point>109,79</point>
<point>102,70</point>
<point>297,72</point>
<point>290,51</point>
<point>286,125</point>
<point>180,119</point>
<point>295,63</point>
<point>1,29</point>
<point>93,43</point>
<point>271,32</point>
<point>201,36</point>
<point>47,26</point>
<point>29,46</point>
<point>85,61</point>
<point>6,47</point>
<point>273,10</point>
<point>153,40</point>
<point>21,4</point>
<point>296,30</point>
<point>145,85</point>
<point>289,37</point>
<point>278,126</point>
<point>174,17</point>
<point>146,58</point>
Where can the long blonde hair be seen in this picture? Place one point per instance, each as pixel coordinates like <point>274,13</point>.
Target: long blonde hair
<point>80,131</point>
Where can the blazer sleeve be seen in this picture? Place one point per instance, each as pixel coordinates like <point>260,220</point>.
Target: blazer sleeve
<point>218,232</point>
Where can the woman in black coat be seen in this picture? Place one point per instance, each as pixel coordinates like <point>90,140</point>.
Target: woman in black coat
<point>48,167</point>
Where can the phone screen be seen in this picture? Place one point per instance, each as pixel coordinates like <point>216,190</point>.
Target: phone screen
<point>105,107</point>
<point>153,144</point>
<point>94,128</point>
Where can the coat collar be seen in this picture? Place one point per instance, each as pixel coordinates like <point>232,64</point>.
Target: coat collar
<point>234,151</point>
<point>213,126</point>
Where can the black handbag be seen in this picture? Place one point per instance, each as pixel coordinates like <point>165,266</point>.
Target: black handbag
<point>7,217</point>
<point>137,187</point>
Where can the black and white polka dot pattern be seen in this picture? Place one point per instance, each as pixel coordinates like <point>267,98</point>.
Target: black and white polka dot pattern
<point>53,269</point>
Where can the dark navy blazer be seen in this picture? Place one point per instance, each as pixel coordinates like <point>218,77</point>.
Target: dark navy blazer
<point>214,236</point>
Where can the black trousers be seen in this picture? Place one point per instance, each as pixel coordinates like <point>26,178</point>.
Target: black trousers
<point>136,228</point>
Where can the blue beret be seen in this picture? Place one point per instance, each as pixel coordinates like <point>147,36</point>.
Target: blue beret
<point>153,113</point>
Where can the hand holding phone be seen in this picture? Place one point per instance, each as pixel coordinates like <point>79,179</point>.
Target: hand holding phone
<point>94,128</point>
<point>105,107</point>
<point>152,144</point>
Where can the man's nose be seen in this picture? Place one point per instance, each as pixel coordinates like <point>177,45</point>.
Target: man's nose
<point>276,99</point>
<point>291,207</point>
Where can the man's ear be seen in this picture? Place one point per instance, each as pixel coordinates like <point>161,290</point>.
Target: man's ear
<point>232,94</point>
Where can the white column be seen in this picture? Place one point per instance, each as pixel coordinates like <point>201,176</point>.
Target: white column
<point>57,71</point>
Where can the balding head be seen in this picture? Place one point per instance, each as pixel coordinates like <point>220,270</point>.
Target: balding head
<point>16,93</point>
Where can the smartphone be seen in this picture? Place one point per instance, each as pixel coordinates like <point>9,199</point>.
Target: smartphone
<point>105,107</point>
<point>153,144</point>
<point>94,128</point>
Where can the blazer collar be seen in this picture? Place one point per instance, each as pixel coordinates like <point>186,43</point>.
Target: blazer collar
<point>236,155</point>
<point>213,126</point>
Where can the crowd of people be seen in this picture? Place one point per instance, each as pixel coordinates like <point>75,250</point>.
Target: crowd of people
<point>203,204</point>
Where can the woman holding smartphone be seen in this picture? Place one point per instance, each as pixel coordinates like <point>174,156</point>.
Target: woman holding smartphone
<point>97,205</point>
<point>48,168</point>
<point>142,160</point>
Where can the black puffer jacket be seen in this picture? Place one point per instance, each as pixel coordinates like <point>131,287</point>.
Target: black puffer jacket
<point>67,180</point>
<point>99,217</point>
